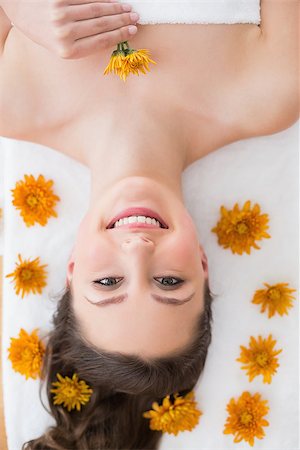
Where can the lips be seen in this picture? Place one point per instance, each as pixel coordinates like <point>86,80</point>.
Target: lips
<point>137,211</point>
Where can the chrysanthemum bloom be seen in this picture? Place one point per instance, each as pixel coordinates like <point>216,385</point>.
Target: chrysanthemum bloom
<point>26,354</point>
<point>126,60</point>
<point>174,417</point>
<point>239,229</point>
<point>29,276</point>
<point>260,358</point>
<point>245,420</point>
<point>35,199</point>
<point>71,392</point>
<point>276,298</point>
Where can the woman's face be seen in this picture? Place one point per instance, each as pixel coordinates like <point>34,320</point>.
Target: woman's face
<point>142,269</point>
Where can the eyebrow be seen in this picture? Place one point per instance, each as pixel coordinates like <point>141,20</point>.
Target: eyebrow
<point>165,300</point>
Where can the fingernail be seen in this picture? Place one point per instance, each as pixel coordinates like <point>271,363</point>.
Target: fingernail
<point>126,8</point>
<point>134,16</point>
<point>132,29</point>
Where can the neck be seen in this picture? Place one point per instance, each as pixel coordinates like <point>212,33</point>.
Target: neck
<point>150,148</point>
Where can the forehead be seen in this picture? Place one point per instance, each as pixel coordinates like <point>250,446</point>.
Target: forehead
<point>136,329</point>
<point>140,317</point>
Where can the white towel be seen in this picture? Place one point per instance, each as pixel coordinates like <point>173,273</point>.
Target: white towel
<point>262,169</point>
<point>197,11</point>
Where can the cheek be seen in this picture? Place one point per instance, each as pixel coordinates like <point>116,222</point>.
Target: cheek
<point>90,250</point>
<point>87,242</point>
<point>187,242</point>
<point>95,253</point>
<point>186,250</point>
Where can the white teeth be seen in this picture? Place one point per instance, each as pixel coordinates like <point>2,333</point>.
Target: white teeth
<point>139,219</point>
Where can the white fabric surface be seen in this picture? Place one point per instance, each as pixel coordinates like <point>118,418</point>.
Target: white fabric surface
<point>197,11</point>
<point>263,170</point>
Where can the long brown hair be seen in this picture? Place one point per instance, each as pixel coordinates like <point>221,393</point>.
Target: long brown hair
<point>124,386</point>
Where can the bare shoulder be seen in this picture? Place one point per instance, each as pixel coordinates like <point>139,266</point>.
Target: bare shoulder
<point>17,90</point>
<point>269,79</point>
<point>258,88</point>
<point>36,88</point>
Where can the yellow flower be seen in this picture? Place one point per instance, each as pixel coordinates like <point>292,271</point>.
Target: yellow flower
<point>26,354</point>
<point>276,298</point>
<point>124,61</point>
<point>174,417</point>
<point>260,358</point>
<point>239,229</point>
<point>71,392</point>
<point>28,276</point>
<point>35,199</point>
<point>245,419</point>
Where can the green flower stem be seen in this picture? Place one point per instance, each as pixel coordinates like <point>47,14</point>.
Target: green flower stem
<point>126,47</point>
<point>123,47</point>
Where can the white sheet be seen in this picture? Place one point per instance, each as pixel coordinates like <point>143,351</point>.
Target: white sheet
<point>264,170</point>
<point>197,11</point>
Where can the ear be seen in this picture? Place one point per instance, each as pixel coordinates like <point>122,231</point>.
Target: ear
<point>204,261</point>
<point>70,268</point>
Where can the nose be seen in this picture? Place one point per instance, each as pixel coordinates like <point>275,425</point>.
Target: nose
<point>136,243</point>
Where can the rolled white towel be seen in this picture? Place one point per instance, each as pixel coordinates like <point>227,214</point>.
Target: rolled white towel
<point>196,11</point>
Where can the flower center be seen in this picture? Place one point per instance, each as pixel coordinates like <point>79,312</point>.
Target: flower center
<point>246,418</point>
<point>262,359</point>
<point>274,294</point>
<point>26,274</point>
<point>31,200</point>
<point>70,391</point>
<point>241,227</point>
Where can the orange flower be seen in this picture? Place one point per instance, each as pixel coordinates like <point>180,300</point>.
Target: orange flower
<point>28,276</point>
<point>276,298</point>
<point>71,392</point>
<point>260,358</point>
<point>26,353</point>
<point>245,420</point>
<point>35,199</point>
<point>174,417</point>
<point>239,229</point>
<point>126,60</point>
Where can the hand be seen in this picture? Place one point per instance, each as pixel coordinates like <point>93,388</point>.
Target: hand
<point>71,29</point>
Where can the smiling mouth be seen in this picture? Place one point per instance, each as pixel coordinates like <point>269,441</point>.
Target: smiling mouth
<point>137,218</point>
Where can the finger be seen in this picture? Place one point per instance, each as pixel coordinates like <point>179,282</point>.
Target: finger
<point>104,41</point>
<point>91,11</point>
<point>82,2</point>
<point>85,28</point>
